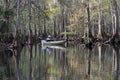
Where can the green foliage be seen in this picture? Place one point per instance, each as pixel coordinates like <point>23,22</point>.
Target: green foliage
<point>1,11</point>
<point>53,71</point>
<point>8,12</point>
<point>5,16</point>
<point>42,12</point>
<point>51,12</point>
<point>67,33</point>
<point>5,13</point>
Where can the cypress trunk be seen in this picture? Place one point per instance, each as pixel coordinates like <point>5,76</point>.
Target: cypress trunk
<point>116,21</point>
<point>29,22</point>
<point>16,41</point>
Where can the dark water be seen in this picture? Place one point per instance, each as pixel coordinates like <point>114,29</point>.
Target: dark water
<point>60,63</point>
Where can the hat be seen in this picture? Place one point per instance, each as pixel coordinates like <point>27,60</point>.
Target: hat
<point>49,35</point>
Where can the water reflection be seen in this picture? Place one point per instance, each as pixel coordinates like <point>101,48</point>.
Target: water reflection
<point>49,48</point>
<point>16,56</point>
<point>59,63</point>
<point>116,62</point>
<point>5,68</point>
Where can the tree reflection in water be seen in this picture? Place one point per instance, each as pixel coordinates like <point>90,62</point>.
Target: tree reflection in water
<point>71,63</point>
<point>116,62</point>
<point>5,66</point>
<point>17,53</point>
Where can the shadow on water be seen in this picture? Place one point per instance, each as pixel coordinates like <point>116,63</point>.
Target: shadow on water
<point>5,68</point>
<point>35,62</point>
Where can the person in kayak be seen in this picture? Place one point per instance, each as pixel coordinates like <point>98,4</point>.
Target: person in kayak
<point>49,38</point>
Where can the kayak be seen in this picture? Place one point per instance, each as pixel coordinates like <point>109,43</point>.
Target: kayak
<point>52,42</point>
<point>53,47</point>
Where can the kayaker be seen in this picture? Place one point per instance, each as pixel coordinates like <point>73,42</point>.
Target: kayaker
<point>49,38</point>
